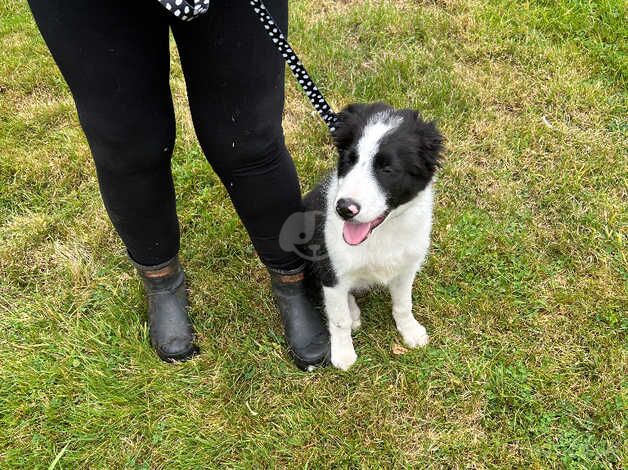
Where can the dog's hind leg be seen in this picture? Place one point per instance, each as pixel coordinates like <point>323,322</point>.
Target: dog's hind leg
<point>412,331</point>
<point>356,322</point>
<point>339,320</point>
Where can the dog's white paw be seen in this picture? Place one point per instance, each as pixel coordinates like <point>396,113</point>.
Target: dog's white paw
<point>356,324</point>
<point>343,357</point>
<point>414,335</point>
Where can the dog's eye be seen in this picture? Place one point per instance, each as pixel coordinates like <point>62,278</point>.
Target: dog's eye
<point>387,170</point>
<point>382,164</point>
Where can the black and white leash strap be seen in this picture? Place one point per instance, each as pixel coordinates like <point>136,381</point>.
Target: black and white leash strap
<point>298,70</point>
<point>186,10</point>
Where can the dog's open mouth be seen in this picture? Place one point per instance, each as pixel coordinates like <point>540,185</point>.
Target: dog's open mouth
<point>355,233</point>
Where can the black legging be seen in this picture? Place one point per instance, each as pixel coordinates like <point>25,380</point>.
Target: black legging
<point>114,55</point>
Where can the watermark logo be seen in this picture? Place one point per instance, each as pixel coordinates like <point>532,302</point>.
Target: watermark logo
<point>298,235</point>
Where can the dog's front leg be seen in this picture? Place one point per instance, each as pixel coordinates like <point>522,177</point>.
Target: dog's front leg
<point>354,310</point>
<point>339,319</point>
<point>412,331</point>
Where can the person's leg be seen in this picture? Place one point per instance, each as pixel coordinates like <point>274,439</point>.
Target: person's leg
<point>114,56</point>
<point>235,83</point>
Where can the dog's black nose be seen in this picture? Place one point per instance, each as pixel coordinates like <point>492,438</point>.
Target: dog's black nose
<point>347,208</point>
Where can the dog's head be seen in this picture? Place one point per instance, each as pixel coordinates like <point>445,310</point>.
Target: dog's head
<point>386,157</point>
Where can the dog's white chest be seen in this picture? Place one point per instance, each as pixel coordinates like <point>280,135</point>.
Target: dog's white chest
<point>400,242</point>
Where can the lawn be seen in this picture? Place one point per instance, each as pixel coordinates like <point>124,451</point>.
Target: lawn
<point>524,293</point>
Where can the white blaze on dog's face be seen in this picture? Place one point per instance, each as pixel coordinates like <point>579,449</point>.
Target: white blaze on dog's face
<point>356,181</point>
<point>386,157</point>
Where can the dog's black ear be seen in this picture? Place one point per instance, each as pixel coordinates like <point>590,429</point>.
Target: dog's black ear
<point>361,111</point>
<point>429,145</point>
<point>353,109</point>
<point>346,126</point>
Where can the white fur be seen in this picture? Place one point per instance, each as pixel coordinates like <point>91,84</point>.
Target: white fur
<point>390,256</point>
<point>360,184</point>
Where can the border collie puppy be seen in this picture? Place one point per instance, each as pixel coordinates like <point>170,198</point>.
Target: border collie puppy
<point>375,218</point>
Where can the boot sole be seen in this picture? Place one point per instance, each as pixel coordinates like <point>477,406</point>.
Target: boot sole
<point>309,366</point>
<point>179,357</point>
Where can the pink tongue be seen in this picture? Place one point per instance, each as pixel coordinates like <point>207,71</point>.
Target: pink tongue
<point>354,234</point>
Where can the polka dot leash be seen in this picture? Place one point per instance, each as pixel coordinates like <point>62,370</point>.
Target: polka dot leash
<point>297,68</point>
<point>186,10</point>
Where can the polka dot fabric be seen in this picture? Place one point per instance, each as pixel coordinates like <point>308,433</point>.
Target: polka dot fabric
<point>186,10</point>
<point>297,68</point>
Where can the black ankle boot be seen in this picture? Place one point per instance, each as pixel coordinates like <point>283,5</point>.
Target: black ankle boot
<point>171,333</point>
<point>304,327</point>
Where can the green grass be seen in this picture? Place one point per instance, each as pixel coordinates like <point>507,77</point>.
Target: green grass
<point>524,294</point>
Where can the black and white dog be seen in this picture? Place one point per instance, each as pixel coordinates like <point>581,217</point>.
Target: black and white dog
<point>375,218</point>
